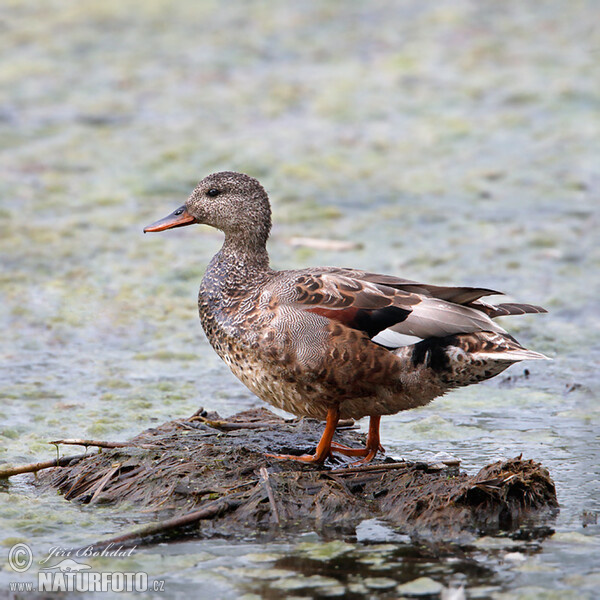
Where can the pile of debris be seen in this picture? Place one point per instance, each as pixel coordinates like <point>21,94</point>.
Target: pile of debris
<point>209,476</point>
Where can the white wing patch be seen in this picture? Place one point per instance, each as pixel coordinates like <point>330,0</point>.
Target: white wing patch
<point>392,339</point>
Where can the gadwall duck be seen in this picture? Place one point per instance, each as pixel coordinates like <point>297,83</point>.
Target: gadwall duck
<point>333,343</point>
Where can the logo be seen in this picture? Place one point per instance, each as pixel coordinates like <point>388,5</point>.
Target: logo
<point>70,575</point>
<point>20,558</point>
<point>68,565</point>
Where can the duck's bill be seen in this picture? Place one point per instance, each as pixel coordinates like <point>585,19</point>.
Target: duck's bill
<point>178,218</point>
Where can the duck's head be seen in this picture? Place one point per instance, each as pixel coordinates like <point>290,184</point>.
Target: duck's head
<point>235,203</point>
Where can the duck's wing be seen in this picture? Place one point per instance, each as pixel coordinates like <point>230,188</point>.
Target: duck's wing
<point>465,295</point>
<point>391,315</point>
<point>456,294</point>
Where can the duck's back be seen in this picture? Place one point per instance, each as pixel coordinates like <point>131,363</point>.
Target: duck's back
<point>304,340</point>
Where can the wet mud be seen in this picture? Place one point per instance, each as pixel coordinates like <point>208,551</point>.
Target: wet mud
<point>207,476</point>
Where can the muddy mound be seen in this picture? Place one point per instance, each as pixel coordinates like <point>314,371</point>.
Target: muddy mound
<point>210,476</point>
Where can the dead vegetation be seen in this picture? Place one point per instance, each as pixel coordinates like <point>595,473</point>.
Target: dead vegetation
<point>209,476</point>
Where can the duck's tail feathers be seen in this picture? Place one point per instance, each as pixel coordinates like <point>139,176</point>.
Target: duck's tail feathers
<point>507,308</point>
<point>463,359</point>
<point>512,355</point>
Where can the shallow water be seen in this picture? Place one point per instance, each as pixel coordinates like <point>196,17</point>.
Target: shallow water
<point>457,142</point>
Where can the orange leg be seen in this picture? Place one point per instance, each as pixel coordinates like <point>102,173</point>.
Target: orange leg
<point>373,444</point>
<point>324,445</point>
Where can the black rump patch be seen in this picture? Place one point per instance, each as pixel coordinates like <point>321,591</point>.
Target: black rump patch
<point>432,352</point>
<point>374,321</point>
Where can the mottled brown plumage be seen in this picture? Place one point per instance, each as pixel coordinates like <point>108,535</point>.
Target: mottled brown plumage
<point>334,343</point>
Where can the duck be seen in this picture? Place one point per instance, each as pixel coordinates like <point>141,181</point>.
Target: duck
<point>333,343</point>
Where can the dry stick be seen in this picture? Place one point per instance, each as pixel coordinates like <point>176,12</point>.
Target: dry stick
<point>214,509</point>
<point>104,481</point>
<point>231,425</point>
<point>34,467</point>
<point>71,493</point>
<point>383,467</point>
<point>98,443</point>
<point>264,477</point>
<point>324,244</point>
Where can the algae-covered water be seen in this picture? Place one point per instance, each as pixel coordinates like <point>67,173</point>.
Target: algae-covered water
<point>453,142</point>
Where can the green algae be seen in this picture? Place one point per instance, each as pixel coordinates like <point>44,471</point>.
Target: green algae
<point>324,550</point>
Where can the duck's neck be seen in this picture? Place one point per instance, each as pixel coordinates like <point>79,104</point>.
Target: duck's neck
<point>247,253</point>
<point>237,265</point>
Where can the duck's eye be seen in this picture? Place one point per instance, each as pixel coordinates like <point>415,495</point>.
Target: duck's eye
<point>213,192</point>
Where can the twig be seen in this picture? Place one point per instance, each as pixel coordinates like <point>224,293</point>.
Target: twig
<point>198,413</point>
<point>264,479</point>
<point>229,426</point>
<point>222,425</point>
<point>104,481</point>
<point>34,467</point>
<point>98,443</point>
<point>214,509</point>
<point>382,467</point>
<point>321,244</point>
